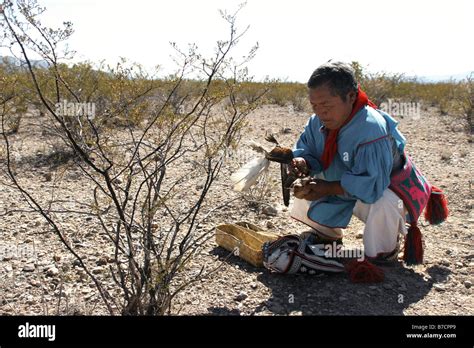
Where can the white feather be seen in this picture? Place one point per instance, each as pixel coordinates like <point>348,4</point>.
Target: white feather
<point>249,173</point>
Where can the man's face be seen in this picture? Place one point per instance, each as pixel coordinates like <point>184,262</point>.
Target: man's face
<point>331,109</point>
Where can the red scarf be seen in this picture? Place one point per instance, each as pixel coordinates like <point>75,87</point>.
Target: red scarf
<point>330,146</point>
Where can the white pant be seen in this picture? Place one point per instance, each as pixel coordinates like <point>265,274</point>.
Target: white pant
<point>383,219</point>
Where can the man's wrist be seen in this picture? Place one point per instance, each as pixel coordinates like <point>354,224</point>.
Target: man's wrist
<point>334,188</point>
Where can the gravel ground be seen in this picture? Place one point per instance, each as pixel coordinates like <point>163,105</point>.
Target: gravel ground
<point>42,278</point>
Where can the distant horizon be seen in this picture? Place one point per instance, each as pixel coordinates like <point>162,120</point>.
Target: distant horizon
<point>423,79</point>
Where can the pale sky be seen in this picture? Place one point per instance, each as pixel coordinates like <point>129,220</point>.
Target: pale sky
<point>423,37</point>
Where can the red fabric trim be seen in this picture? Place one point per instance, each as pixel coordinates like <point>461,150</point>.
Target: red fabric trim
<point>373,141</point>
<point>380,254</point>
<point>290,263</point>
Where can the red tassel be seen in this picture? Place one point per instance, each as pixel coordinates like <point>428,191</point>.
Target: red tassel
<point>437,208</point>
<point>364,272</point>
<point>413,253</point>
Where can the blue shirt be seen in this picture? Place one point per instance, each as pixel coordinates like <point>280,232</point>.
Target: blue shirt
<point>367,147</point>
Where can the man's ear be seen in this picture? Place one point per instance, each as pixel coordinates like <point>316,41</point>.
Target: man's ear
<point>352,96</point>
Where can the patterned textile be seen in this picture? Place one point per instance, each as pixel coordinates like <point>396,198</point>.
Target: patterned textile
<point>412,187</point>
<point>292,254</point>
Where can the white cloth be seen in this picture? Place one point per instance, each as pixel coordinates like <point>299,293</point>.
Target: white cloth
<point>299,212</point>
<point>384,220</point>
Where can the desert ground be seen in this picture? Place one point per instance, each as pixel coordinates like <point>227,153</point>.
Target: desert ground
<point>51,283</point>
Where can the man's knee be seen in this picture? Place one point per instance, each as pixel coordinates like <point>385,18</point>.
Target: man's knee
<point>389,203</point>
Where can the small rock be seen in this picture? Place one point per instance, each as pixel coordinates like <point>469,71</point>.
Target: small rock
<point>52,271</point>
<point>101,261</point>
<point>387,286</point>
<point>270,225</point>
<point>97,270</point>
<point>360,235</point>
<point>296,313</point>
<point>56,258</point>
<point>270,211</point>
<point>459,264</point>
<point>445,262</point>
<point>241,296</point>
<point>29,268</point>
<point>253,285</point>
<point>195,302</point>
<point>467,283</point>
<point>35,283</point>
<point>28,240</point>
<point>89,296</point>
<point>448,252</point>
<point>439,287</point>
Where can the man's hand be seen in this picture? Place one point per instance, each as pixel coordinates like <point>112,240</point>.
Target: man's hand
<point>298,167</point>
<point>309,189</point>
<point>314,189</point>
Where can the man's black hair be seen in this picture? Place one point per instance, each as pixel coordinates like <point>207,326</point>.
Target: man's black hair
<point>338,76</point>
